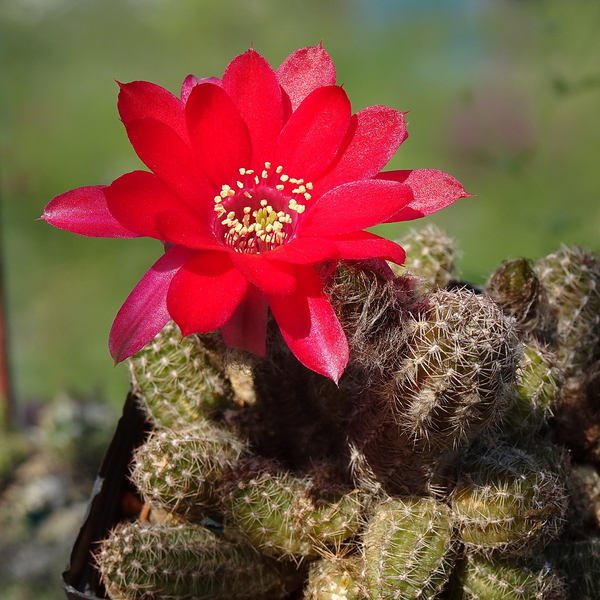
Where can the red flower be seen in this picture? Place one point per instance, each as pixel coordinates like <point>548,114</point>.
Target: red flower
<point>254,180</point>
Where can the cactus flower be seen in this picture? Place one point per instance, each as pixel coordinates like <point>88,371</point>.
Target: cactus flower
<point>254,180</point>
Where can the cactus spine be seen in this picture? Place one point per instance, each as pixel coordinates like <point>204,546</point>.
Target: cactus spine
<point>335,578</point>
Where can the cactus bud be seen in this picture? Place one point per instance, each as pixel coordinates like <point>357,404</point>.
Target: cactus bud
<point>508,501</point>
<point>429,256</point>
<point>177,380</point>
<point>408,552</point>
<point>516,288</point>
<point>178,469</point>
<point>139,561</point>
<point>334,578</point>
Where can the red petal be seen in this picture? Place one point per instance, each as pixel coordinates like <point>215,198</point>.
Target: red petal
<point>247,328</point>
<point>136,199</point>
<point>205,293</point>
<point>432,191</point>
<point>140,99</point>
<point>218,133</point>
<point>190,231</point>
<point>379,132</point>
<point>252,84</point>
<point>354,206</point>
<point>305,251</point>
<point>363,245</point>
<point>269,277</point>
<point>304,71</point>
<point>171,159</point>
<point>191,81</point>
<point>312,136</point>
<point>84,211</point>
<point>144,313</point>
<point>310,327</point>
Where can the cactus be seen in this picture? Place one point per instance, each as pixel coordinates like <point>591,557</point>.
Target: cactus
<point>178,470</point>
<point>482,579</point>
<point>279,516</point>
<point>508,501</point>
<point>537,389</point>
<point>517,289</point>
<point>408,550</point>
<point>571,278</point>
<point>335,578</point>
<point>429,256</point>
<point>177,380</point>
<point>579,561</point>
<point>139,561</point>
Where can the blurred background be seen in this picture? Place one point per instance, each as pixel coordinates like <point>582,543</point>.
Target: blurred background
<point>502,94</point>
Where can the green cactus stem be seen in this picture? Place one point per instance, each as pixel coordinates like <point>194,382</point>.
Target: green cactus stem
<point>178,469</point>
<point>429,256</point>
<point>537,389</point>
<point>508,501</point>
<point>484,579</point>
<point>178,381</point>
<point>139,561</point>
<point>571,278</point>
<point>579,561</point>
<point>408,551</point>
<point>281,517</point>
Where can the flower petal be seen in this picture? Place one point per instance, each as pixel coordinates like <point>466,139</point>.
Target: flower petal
<point>310,327</point>
<point>136,199</point>
<point>313,134</point>
<point>252,84</point>
<point>171,160</point>
<point>432,191</point>
<point>269,277</point>
<point>377,133</point>
<point>354,206</point>
<point>247,328</point>
<point>205,293</point>
<point>363,245</point>
<point>304,71</point>
<point>305,251</point>
<point>219,135</point>
<point>84,211</point>
<point>144,313</point>
<point>141,99</point>
<point>191,81</point>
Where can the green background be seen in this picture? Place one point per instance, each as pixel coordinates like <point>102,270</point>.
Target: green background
<point>504,95</point>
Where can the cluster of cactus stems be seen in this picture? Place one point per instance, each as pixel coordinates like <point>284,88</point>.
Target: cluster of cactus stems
<point>458,458</point>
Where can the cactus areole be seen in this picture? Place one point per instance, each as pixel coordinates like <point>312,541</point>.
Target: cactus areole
<point>254,180</point>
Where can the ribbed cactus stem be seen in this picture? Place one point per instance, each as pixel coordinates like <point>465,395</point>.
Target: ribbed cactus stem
<point>139,561</point>
<point>408,551</point>
<point>579,562</point>
<point>571,278</point>
<point>508,501</point>
<point>279,516</point>
<point>177,470</point>
<point>484,579</point>
<point>458,370</point>
<point>429,256</point>
<point>536,391</point>
<point>178,381</point>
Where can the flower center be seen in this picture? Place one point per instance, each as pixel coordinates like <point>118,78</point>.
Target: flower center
<point>260,212</point>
